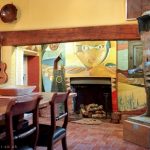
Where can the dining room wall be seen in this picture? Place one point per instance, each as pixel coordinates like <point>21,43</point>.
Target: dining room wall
<point>39,14</point>
<point>48,14</point>
<point>9,58</point>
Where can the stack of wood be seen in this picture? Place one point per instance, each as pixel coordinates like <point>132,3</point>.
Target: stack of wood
<point>92,111</point>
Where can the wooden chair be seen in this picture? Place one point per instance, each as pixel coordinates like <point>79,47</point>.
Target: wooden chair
<point>6,105</point>
<point>50,134</point>
<point>24,138</point>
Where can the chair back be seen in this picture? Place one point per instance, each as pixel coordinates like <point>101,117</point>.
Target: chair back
<point>29,105</point>
<point>59,99</point>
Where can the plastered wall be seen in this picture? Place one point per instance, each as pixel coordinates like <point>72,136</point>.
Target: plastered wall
<point>46,14</point>
<point>49,14</point>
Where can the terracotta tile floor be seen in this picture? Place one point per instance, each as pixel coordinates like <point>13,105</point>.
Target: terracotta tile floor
<point>106,136</point>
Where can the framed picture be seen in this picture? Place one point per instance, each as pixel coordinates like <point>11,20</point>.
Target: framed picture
<point>133,9</point>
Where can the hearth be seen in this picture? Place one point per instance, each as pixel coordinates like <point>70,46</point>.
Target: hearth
<point>90,90</point>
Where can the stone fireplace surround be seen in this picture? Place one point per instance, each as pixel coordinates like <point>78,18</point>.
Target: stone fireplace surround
<point>92,90</point>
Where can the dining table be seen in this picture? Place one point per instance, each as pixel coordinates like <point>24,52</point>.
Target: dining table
<point>8,101</point>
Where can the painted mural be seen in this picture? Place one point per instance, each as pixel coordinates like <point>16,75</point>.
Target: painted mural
<point>131,92</point>
<point>79,59</point>
<point>49,53</point>
<point>91,58</point>
<point>98,59</point>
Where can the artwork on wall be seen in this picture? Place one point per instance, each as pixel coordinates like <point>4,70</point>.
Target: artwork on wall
<point>135,67</point>
<point>135,8</point>
<point>98,59</point>
<point>49,53</point>
<point>91,59</point>
<point>131,92</point>
<point>80,59</point>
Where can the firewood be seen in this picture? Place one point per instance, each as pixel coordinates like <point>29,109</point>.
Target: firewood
<point>97,116</point>
<point>104,115</point>
<point>100,107</point>
<point>97,112</point>
<point>85,115</point>
<point>93,109</point>
<point>90,114</point>
<point>93,105</point>
<point>88,107</point>
<point>82,110</point>
<point>103,112</point>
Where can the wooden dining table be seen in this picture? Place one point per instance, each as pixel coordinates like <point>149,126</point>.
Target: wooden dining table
<point>8,101</point>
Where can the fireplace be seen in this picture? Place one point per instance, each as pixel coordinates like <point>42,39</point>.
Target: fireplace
<point>92,90</point>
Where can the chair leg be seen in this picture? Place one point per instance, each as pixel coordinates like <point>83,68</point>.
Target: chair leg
<point>64,143</point>
<point>50,145</point>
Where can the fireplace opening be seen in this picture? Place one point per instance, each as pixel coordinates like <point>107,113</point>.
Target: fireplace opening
<point>92,90</point>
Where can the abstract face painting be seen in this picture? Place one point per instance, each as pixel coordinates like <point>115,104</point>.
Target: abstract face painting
<point>92,54</point>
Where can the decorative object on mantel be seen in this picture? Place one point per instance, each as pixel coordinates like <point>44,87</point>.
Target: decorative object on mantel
<point>8,13</point>
<point>3,66</point>
<point>16,90</point>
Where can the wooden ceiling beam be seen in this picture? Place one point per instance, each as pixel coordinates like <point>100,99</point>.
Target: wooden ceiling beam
<point>29,37</point>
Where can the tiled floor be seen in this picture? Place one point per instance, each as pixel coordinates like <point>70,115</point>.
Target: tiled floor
<point>106,136</point>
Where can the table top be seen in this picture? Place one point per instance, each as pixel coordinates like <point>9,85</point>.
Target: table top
<point>8,101</point>
<point>47,97</point>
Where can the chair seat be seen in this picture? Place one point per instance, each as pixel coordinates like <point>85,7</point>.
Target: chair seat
<point>24,148</point>
<point>22,133</point>
<point>18,135</point>
<point>44,132</point>
<point>4,144</point>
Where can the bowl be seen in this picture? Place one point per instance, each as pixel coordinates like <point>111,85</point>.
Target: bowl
<point>16,90</point>
<point>8,13</point>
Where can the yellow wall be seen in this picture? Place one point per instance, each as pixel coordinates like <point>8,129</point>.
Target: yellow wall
<point>42,14</point>
<point>47,14</point>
